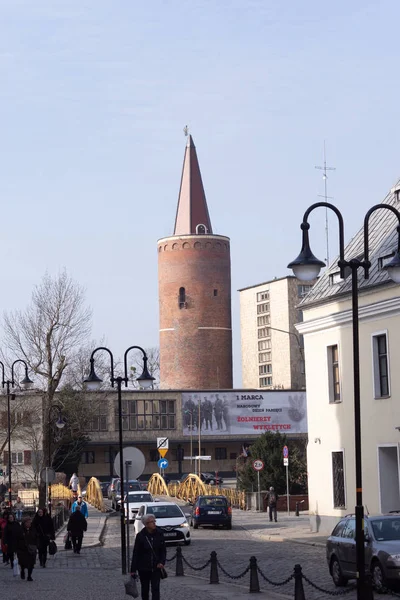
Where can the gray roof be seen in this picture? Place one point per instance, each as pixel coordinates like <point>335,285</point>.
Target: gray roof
<point>382,242</point>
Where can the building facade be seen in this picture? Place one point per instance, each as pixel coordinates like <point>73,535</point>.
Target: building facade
<point>327,331</point>
<point>272,349</point>
<point>194,293</point>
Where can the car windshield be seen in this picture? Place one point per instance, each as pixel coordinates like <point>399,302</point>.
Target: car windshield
<point>165,511</point>
<point>140,498</point>
<point>387,529</point>
<point>212,502</point>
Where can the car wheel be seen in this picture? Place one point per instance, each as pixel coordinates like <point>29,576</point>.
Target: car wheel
<point>378,576</point>
<point>187,542</point>
<point>195,525</point>
<point>336,571</point>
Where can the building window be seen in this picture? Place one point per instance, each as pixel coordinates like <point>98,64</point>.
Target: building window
<point>221,454</point>
<point>99,421</point>
<point>201,229</point>
<point>380,365</point>
<point>233,455</point>
<point>261,296</point>
<point>264,345</point>
<point>383,260</point>
<point>264,369</point>
<point>263,320</point>
<point>264,357</point>
<point>182,298</point>
<point>302,290</point>
<point>263,308</point>
<point>215,293</point>
<point>17,458</point>
<point>265,381</point>
<point>146,414</point>
<point>87,458</point>
<point>333,374</point>
<point>264,332</point>
<point>339,495</point>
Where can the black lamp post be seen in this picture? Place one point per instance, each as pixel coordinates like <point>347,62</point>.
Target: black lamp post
<point>306,267</point>
<point>94,383</point>
<point>55,412</point>
<point>9,384</point>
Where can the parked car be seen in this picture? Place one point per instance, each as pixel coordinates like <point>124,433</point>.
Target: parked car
<point>382,549</point>
<point>133,485</point>
<point>211,478</point>
<point>136,500</point>
<point>111,487</point>
<point>104,485</point>
<point>211,510</point>
<point>170,519</point>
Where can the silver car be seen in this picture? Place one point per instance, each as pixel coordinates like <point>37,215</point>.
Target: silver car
<point>382,549</point>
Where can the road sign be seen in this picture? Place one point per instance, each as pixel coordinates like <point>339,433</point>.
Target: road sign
<point>162,443</point>
<point>137,459</point>
<point>258,464</point>
<point>163,451</point>
<point>163,463</point>
<point>48,477</point>
<point>285,462</point>
<point>285,452</point>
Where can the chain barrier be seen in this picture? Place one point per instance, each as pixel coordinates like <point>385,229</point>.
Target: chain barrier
<point>172,557</point>
<point>385,591</point>
<point>233,576</point>
<point>328,592</point>
<point>196,568</point>
<point>275,583</point>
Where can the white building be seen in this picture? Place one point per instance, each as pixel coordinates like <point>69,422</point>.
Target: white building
<point>327,331</point>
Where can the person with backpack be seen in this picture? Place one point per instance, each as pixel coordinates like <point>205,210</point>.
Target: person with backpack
<point>272,500</point>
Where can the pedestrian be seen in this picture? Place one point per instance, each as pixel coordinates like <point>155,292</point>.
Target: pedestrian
<point>19,508</point>
<point>3,523</point>
<point>10,535</point>
<point>74,482</point>
<point>82,505</point>
<point>149,556</point>
<point>272,500</point>
<point>76,526</point>
<point>44,526</point>
<point>27,545</point>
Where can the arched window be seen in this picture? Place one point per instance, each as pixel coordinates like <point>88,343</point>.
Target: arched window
<point>201,229</point>
<point>182,297</point>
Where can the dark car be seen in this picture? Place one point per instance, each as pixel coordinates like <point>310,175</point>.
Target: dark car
<point>133,486</point>
<point>211,510</point>
<point>211,478</point>
<point>382,549</point>
<point>104,485</point>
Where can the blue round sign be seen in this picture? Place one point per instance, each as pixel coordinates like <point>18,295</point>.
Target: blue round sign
<point>285,452</point>
<point>163,463</point>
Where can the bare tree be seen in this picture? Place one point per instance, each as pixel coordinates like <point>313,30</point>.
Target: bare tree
<point>153,365</point>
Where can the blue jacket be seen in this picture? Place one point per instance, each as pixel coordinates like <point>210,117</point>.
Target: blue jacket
<point>84,508</point>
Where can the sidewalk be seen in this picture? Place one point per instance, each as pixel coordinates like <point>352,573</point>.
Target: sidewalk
<point>96,523</point>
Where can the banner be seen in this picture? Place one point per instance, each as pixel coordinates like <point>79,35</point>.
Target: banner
<point>244,413</point>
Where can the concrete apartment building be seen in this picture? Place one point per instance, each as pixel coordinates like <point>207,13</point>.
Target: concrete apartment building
<point>272,349</point>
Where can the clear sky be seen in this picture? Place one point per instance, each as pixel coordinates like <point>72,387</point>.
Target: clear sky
<point>94,96</point>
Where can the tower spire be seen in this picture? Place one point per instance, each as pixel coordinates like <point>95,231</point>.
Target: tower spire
<point>192,210</point>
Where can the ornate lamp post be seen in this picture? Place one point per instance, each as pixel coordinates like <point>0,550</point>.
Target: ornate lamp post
<point>306,267</point>
<point>94,382</point>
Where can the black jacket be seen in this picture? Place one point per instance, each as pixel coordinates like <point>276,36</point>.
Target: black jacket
<point>77,523</point>
<point>44,527</point>
<point>27,544</point>
<point>143,558</point>
<point>10,535</point>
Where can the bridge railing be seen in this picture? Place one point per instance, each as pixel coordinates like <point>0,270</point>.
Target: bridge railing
<point>94,494</point>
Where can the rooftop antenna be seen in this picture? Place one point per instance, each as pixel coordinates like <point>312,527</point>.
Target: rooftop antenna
<point>325,168</point>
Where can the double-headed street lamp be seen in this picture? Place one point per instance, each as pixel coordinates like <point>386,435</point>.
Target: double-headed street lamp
<point>26,383</point>
<point>55,417</point>
<point>94,382</point>
<point>306,267</point>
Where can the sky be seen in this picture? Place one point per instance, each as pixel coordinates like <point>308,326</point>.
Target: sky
<point>94,96</point>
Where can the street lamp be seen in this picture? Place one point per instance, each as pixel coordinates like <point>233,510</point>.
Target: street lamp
<point>26,383</point>
<point>54,411</point>
<point>307,267</point>
<point>93,383</point>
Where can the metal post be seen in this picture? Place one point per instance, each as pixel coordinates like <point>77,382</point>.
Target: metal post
<point>179,563</point>
<point>199,427</point>
<point>47,486</point>
<point>298,583</point>
<point>259,491</point>
<point>214,578</point>
<point>254,583</point>
<point>287,490</point>
<point>9,443</point>
<point>121,473</point>
<point>127,465</point>
<point>191,441</point>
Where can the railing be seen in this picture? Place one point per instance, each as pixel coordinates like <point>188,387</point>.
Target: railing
<point>94,494</point>
<point>192,487</point>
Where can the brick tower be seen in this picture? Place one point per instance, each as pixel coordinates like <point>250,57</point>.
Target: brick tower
<point>194,273</point>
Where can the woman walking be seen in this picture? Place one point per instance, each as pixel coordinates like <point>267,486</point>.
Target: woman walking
<point>149,555</point>
<point>10,534</point>
<point>43,524</point>
<point>27,547</point>
<point>3,523</point>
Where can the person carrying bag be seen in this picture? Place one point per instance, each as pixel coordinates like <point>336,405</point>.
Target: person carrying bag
<point>149,556</point>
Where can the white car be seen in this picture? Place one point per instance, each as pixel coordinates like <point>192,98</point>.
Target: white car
<point>133,501</point>
<point>169,518</point>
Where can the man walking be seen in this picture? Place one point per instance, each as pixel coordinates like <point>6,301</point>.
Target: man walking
<point>82,507</point>
<point>73,482</point>
<point>272,500</point>
<point>76,527</point>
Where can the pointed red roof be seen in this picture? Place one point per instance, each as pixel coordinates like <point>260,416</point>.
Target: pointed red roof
<point>192,204</point>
